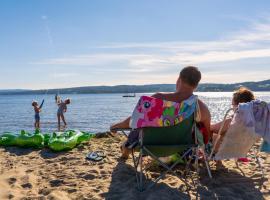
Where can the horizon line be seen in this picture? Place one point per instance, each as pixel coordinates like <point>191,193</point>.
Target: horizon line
<point>60,88</point>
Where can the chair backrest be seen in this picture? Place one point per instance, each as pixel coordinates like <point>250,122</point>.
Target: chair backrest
<point>180,134</point>
<point>237,141</point>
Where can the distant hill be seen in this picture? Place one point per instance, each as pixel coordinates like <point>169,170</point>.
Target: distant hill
<point>11,91</point>
<point>255,86</point>
<point>204,87</point>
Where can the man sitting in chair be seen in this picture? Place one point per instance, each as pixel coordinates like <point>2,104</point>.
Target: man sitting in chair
<point>186,83</point>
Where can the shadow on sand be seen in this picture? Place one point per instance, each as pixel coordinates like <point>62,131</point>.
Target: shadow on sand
<point>230,184</point>
<point>224,185</point>
<point>48,154</point>
<point>19,151</point>
<point>44,153</point>
<point>123,186</point>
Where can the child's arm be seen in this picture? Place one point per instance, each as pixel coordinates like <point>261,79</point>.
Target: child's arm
<point>215,127</point>
<point>41,104</point>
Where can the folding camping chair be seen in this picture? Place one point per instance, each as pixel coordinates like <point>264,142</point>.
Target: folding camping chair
<point>159,142</point>
<point>236,143</point>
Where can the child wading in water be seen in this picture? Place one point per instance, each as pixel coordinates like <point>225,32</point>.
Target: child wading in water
<point>62,108</point>
<point>37,110</point>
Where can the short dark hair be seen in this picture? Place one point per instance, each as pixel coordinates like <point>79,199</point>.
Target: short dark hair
<point>190,75</point>
<point>242,95</point>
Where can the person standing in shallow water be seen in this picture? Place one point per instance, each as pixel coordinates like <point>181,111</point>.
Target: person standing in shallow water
<point>37,110</point>
<point>62,108</point>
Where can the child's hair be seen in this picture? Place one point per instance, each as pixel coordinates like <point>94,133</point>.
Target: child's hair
<point>242,95</point>
<point>67,101</point>
<point>34,103</point>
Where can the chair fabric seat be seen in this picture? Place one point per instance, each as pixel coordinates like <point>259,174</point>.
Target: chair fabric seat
<point>165,141</point>
<point>166,150</point>
<point>179,134</point>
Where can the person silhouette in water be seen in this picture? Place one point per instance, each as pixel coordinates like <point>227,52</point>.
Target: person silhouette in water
<point>62,108</point>
<point>37,110</point>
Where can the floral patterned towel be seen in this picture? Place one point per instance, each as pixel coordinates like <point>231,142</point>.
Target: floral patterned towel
<point>153,112</point>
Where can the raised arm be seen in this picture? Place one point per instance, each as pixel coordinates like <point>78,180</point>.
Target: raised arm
<point>41,104</point>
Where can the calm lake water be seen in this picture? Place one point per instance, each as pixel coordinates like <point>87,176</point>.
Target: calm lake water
<point>91,112</point>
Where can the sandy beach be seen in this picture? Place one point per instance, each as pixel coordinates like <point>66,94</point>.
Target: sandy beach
<point>42,174</point>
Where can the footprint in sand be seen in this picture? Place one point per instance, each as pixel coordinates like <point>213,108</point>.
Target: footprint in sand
<point>72,190</point>
<point>103,172</point>
<point>29,170</point>
<point>101,167</point>
<point>45,191</point>
<point>12,180</point>
<point>56,182</point>
<point>27,185</point>
<point>88,177</point>
<point>10,196</point>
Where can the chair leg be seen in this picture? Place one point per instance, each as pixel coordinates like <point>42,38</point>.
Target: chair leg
<point>207,164</point>
<point>197,160</point>
<point>237,165</point>
<point>141,171</point>
<point>197,166</point>
<point>187,168</point>
<point>260,165</point>
<point>136,163</point>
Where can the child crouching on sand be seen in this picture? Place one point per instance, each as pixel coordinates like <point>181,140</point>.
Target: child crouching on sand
<point>62,108</point>
<point>37,110</point>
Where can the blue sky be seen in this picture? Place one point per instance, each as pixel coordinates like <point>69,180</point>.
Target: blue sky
<point>66,43</point>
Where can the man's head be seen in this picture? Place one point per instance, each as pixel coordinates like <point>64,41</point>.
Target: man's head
<point>189,76</point>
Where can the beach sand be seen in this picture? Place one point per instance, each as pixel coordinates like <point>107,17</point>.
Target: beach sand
<point>42,174</point>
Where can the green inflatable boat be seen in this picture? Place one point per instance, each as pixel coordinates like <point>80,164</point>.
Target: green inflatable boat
<point>57,141</point>
<point>8,139</point>
<point>62,141</point>
<point>24,139</point>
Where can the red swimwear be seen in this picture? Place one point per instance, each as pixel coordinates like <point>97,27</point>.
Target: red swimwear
<point>203,130</point>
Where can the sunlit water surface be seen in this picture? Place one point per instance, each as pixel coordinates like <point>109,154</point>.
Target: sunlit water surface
<point>91,112</point>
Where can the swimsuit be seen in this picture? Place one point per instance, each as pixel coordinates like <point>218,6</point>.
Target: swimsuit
<point>37,117</point>
<point>62,107</point>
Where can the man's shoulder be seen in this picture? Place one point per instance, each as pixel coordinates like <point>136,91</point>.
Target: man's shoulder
<point>203,107</point>
<point>171,96</point>
<point>202,104</point>
<point>161,95</point>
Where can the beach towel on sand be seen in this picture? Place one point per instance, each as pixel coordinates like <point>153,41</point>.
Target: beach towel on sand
<point>153,112</point>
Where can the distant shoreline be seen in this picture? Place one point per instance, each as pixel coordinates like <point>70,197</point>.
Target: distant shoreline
<point>260,86</point>
<point>109,93</point>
